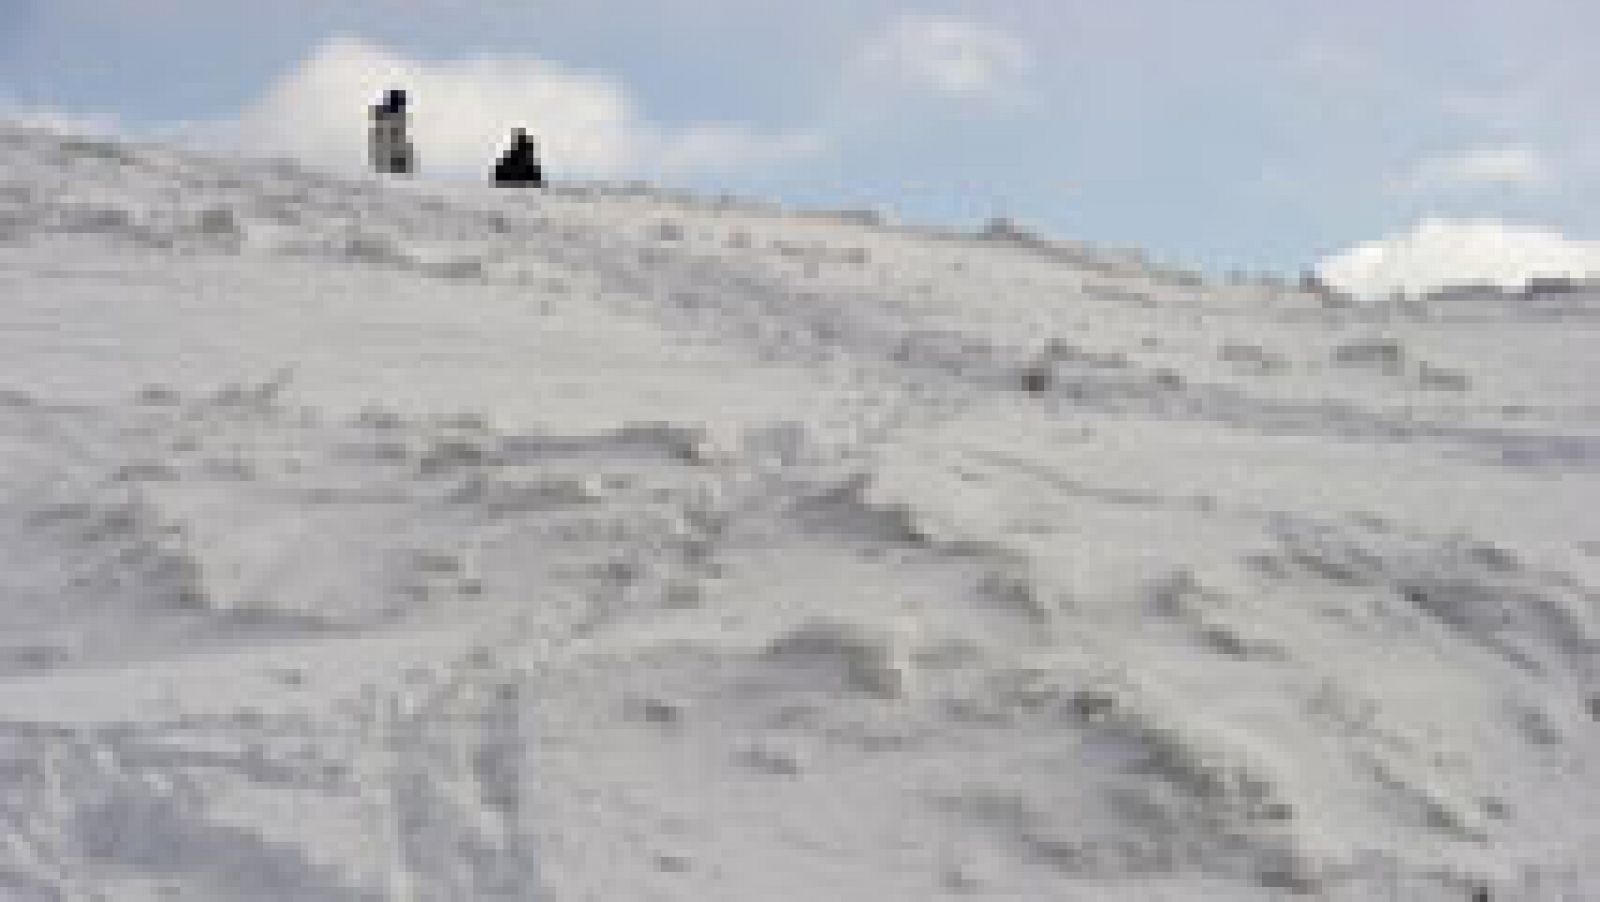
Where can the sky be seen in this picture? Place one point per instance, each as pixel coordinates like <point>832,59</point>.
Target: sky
<point>1230,134</point>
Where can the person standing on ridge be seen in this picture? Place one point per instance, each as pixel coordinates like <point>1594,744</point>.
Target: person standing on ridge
<point>389,146</point>
<point>520,164</point>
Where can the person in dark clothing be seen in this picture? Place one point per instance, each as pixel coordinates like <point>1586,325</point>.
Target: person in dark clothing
<point>520,164</point>
<point>388,145</point>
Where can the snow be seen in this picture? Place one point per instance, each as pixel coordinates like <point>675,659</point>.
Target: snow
<point>1444,253</point>
<point>401,540</point>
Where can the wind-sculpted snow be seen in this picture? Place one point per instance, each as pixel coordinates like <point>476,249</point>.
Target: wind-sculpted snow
<point>411,541</point>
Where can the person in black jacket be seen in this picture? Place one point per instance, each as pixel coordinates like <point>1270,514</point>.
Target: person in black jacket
<point>520,164</point>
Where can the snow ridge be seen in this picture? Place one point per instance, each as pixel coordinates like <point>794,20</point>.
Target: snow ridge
<point>381,540</point>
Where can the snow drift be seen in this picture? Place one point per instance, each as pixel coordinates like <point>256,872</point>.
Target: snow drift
<point>1445,254</point>
<point>410,541</point>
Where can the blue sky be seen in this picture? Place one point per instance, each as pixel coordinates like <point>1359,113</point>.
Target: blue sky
<point>1231,133</point>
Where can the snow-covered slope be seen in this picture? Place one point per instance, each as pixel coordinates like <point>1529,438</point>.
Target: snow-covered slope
<point>371,540</point>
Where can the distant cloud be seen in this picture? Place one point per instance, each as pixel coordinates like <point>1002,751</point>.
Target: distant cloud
<point>947,57</point>
<point>57,120</point>
<point>1517,165</point>
<point>1502,107</point>
<point>1338,65</point>
<point>1444,252</point>
<point>463,111</point>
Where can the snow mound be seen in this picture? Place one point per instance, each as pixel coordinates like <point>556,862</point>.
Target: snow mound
<point>1450,253</point>
<point>371,539</point>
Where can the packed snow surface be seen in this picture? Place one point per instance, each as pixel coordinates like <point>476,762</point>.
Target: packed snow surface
<point>372,540</point>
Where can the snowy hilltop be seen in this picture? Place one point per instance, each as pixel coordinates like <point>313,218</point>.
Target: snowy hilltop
<point>375,540</point>
<point>1445,255</point>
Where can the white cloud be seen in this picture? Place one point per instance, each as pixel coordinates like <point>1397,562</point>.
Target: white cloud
<point>57,120</point>
<point>946,57</point>
<point>1444,252</point>
<point>1515,165</point>
<point>1336,65</point>
<point>1513,107</point>
<point>463,112</point>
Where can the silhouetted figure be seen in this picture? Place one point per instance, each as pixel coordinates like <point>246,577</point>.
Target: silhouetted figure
<point>520,164</point>
<point>389,146</point>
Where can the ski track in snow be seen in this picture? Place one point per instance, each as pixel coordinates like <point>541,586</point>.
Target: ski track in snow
<point>406,541</point>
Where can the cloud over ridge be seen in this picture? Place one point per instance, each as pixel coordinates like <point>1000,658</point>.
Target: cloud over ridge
<point>949,57</point>
<point>464,109</point>
<point>1511,165</point>
<point>1440,252</point>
